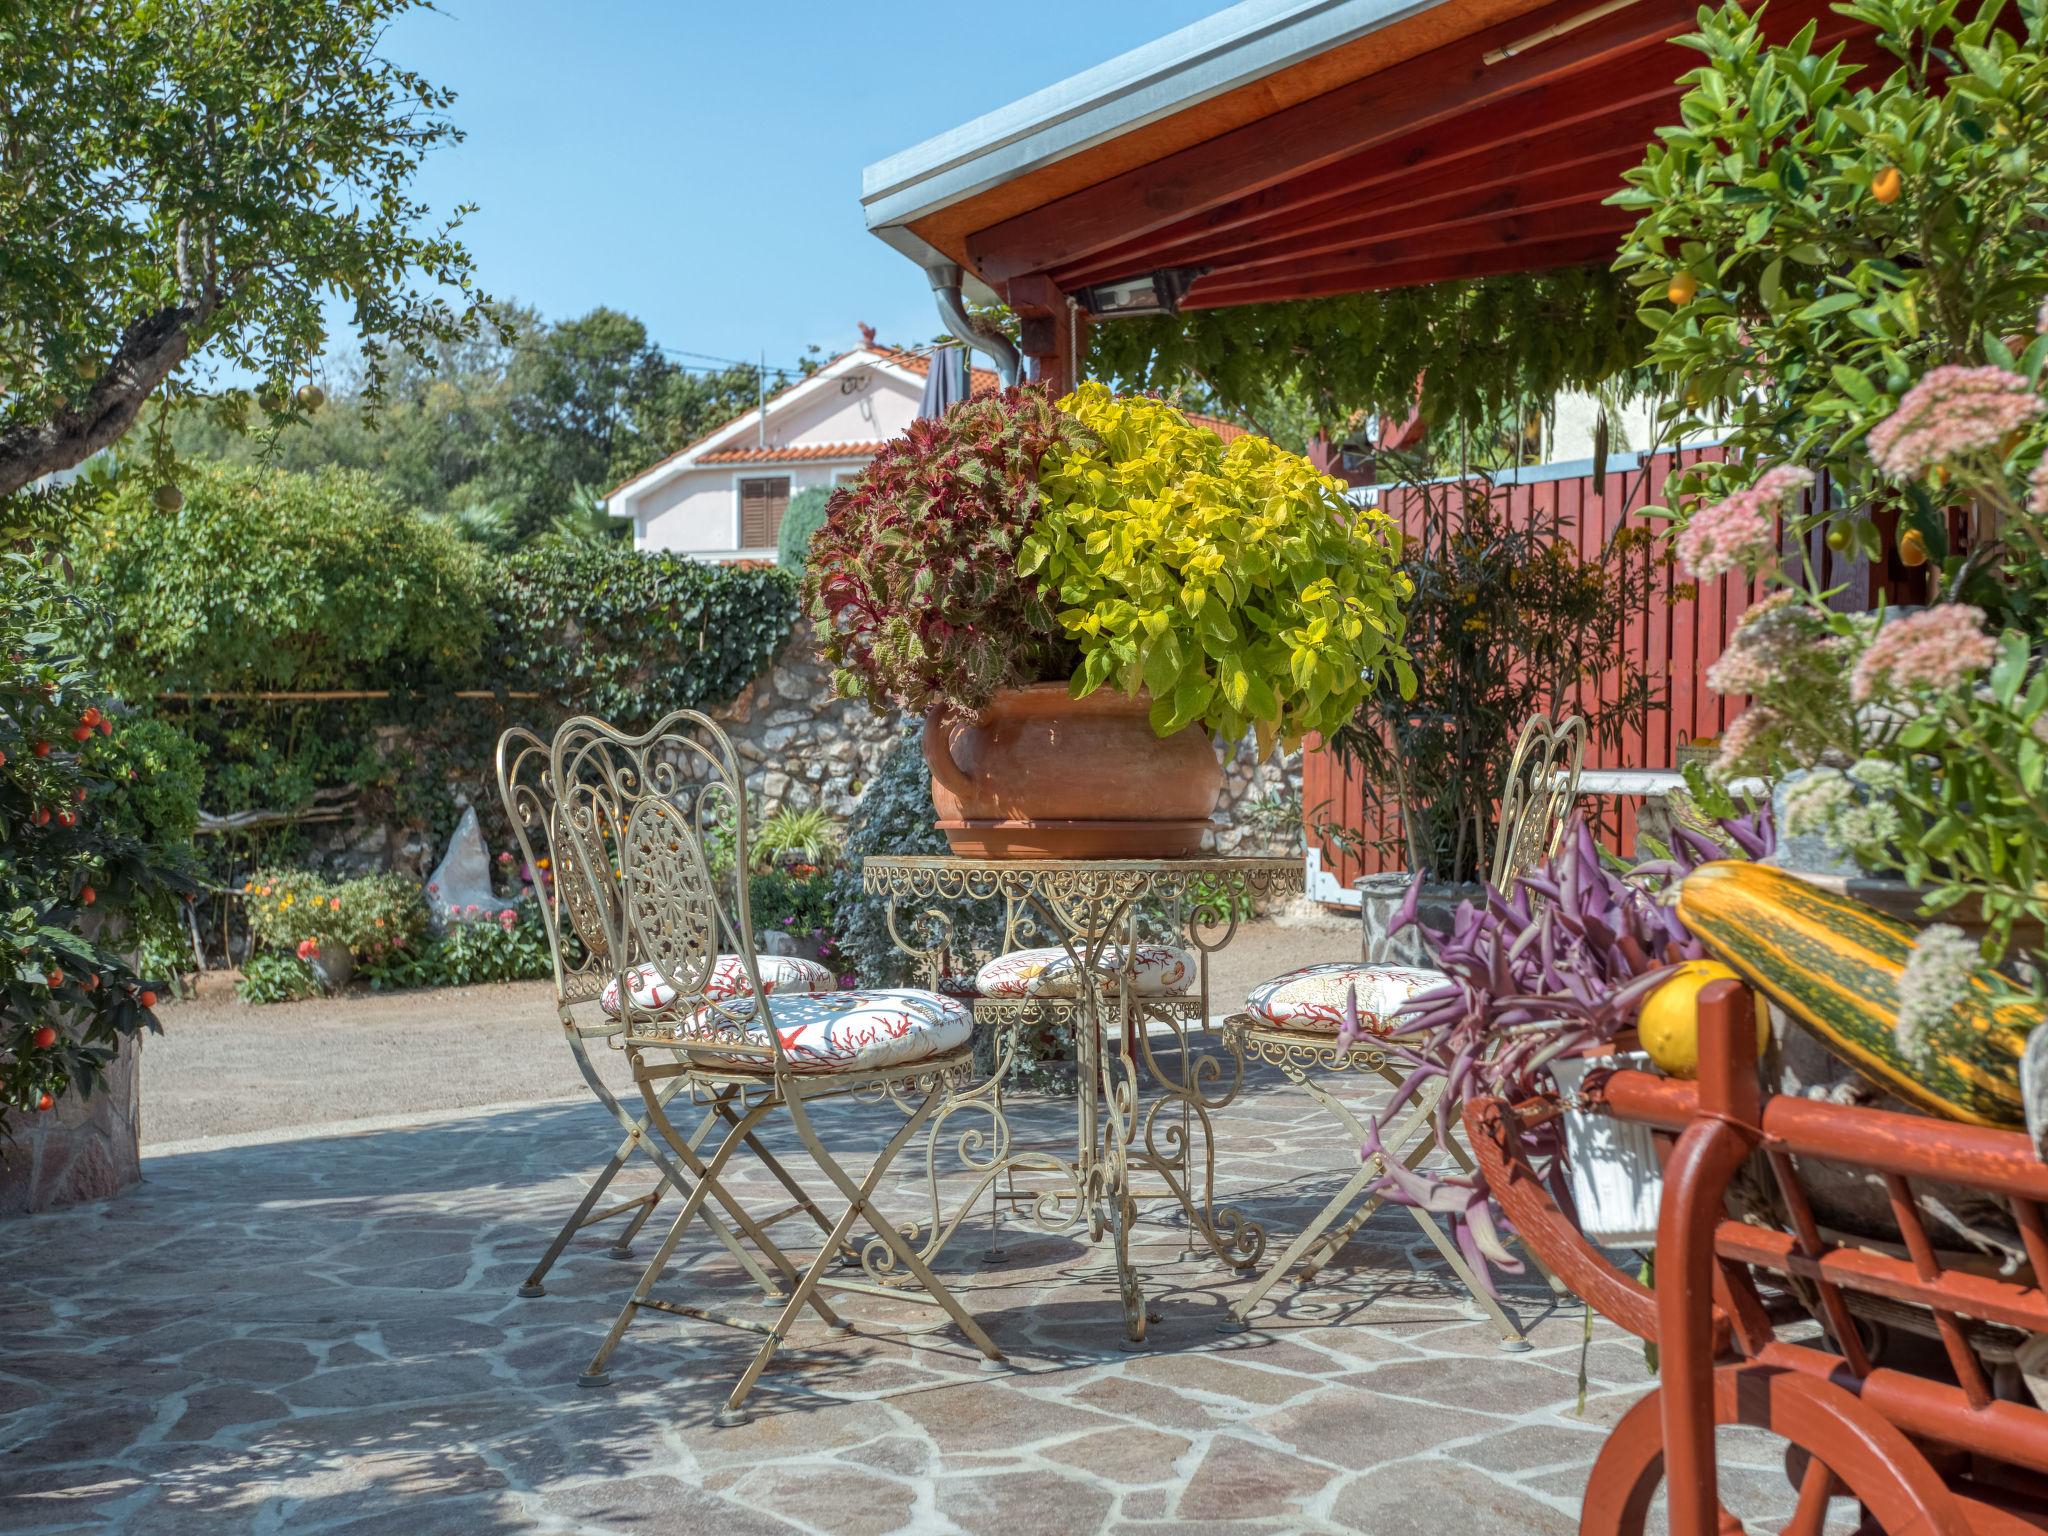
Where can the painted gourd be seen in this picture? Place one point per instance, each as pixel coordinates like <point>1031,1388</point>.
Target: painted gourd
<point>1834,964</point>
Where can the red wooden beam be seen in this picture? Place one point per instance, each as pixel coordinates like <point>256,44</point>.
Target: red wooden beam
<point>1579,185</point>
<point>1624,102</point>
<point>1445,83</point>
<point>1576,251</point>
<point>1520,136</point>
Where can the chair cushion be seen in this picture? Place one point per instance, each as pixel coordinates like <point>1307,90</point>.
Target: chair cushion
<point>1160,971</point>
<point>779,973</point>
<point>856,1030</point>
<point>1312,998</point>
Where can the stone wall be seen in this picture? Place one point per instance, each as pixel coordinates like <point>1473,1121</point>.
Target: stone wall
<point>80,1149</point>
<point>800,743</point>
<point>803,746</point>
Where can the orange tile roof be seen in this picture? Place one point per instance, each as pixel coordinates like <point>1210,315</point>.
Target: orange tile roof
<point>983,379</point>
<point>792,455</point>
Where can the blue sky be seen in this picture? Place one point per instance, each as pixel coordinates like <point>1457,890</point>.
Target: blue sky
<point>698,164</point>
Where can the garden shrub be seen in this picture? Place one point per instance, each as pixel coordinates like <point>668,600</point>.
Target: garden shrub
<point>264,579</point>
<point>628,636</point>
<point>375,916</point>
<point>508,943</point>
<point>797,905</point>
<point>75,880</point>
<point>804,516</point>
<point>156,772</point>
<point>894,815</point>
<point>276,978</point>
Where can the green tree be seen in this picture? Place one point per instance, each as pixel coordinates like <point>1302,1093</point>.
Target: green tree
<point>269,579</point>
<point>591,402</point>
<point>189,182</point>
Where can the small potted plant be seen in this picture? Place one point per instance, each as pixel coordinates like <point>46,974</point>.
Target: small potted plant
<point>1077,595</point>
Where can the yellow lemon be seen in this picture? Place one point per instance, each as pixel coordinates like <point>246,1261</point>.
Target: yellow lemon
<point>1669,1025</point>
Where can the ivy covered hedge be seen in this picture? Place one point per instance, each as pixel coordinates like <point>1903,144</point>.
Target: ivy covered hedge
<point>627,636</point>
<point>266,580</point>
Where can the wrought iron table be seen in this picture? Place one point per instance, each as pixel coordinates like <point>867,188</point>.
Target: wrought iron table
<point>1135,1112</point>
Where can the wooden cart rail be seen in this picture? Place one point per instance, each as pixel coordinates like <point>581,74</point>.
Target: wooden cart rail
<point>1870,1431</point>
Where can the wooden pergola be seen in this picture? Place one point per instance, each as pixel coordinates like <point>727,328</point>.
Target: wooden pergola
<point>1288,149</point>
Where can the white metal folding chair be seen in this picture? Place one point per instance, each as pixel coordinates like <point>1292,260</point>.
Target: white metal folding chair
<point>636,815</point>
<point>1291,1022</point>
<point>582,977</point>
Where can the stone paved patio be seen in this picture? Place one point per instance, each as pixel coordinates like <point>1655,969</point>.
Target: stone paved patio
<point>321,1335</point>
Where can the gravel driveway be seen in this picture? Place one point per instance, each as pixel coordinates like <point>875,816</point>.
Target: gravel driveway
<point>222,1068</point>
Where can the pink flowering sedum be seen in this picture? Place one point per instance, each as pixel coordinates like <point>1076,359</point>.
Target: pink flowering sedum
<point>1939,649</point>
<point>1952,411</point>
<point>2037,487</point>
<point>1742,529</point>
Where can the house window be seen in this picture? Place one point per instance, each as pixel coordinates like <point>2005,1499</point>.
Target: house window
<point>762,503</point>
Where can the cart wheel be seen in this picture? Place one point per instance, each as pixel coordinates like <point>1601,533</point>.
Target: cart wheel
<point>1849,1452</point>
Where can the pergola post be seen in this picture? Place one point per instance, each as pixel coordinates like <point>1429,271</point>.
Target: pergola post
<point>1054,330</point>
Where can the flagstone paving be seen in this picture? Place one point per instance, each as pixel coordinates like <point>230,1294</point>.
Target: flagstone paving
<point>321,1335</point>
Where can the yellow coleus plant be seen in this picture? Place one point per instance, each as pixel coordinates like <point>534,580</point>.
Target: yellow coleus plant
<point>1233,582</point>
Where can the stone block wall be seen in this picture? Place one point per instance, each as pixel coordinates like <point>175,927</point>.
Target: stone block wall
<point>81,1149</point>
<point>802,746</point>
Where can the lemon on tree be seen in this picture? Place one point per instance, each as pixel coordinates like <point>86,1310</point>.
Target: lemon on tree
<point>1669,1024</point>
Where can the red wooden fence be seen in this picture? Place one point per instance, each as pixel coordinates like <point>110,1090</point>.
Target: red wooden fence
<point>1674,639</point>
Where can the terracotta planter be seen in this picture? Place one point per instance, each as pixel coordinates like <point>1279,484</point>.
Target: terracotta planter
<point>1045,775</point>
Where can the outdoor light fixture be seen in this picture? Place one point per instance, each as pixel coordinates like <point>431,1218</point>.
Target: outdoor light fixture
<point>1152,294</point>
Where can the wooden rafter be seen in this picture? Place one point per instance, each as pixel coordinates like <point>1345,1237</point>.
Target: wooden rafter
<point>1574,251</point>
<point>1438,87</point>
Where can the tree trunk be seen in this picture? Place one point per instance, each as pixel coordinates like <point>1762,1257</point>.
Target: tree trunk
<point>149,350</point>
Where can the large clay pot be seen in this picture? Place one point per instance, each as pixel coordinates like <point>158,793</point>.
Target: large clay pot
<point>1045,775</point>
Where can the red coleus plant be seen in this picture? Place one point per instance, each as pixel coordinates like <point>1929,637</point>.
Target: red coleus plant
<point>913,579</point>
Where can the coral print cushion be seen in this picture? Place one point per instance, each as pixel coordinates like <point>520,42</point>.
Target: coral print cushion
<point>652,992</point>
<point>856,1031</point>
<point>1312,998</point>
<point>1159,970</point>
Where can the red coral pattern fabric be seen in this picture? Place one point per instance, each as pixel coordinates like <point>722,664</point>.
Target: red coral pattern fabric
<point>652,992</point>
<point>855,1030</point>
<point>1312,998</point>
<point>1160,971</point>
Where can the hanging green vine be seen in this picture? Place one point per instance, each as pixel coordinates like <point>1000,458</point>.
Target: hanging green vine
<point>1514,339</point>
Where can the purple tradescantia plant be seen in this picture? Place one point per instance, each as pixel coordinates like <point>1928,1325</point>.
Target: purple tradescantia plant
<point>1560,965</point>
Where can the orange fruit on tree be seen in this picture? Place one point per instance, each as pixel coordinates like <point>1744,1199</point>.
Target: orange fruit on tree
<point>1912,548</point>
<point>1887,184</point>
<point>1683,286</point>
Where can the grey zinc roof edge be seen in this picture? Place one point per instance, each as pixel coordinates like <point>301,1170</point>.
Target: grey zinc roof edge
<point>1219,53</point>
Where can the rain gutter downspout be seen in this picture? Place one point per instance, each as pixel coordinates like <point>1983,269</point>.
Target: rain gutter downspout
<point>945,280</point>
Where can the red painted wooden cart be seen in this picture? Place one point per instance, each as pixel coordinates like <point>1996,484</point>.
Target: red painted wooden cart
<point>1945,1447</point>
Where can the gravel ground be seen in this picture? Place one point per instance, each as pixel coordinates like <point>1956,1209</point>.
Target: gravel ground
<point>224,1069</point>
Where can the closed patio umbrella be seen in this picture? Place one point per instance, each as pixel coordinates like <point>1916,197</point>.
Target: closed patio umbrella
<point>945,385</point>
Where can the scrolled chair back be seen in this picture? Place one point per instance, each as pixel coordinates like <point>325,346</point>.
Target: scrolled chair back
<point>1536,797</point>
<point>653,844</point>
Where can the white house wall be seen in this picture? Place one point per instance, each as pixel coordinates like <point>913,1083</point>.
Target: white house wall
<point>695,510</point>
<point>859,407</point>
<point>697,513</point>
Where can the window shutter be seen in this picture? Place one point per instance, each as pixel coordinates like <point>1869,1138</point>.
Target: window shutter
<point>762,503</point>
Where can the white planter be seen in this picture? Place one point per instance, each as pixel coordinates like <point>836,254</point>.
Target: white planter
<point>1616,1180</point>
